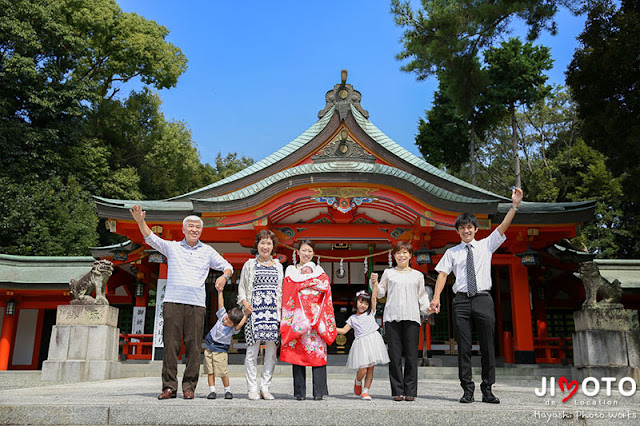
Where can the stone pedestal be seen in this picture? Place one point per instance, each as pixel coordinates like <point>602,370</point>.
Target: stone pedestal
<point>606,344</point>
<point>84,344</point>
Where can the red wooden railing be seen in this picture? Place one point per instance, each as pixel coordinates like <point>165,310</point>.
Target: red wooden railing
<point>552,350</point>
<point>136,346</point>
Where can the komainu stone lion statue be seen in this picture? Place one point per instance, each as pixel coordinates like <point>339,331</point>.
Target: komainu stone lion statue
<point>595,284</point>
<point>93,280</point>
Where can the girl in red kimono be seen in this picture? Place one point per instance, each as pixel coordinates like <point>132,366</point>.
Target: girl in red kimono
<point>308,323</point>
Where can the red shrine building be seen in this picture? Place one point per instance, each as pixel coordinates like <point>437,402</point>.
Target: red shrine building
<point>355,192</point>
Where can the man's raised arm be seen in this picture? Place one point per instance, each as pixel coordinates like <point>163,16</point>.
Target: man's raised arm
<point>516,197</point>
<point>139,216</point>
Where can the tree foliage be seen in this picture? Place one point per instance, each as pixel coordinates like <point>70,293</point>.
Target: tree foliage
<point>516,77</point>
<point>605,76</point>
<point>558,167</point>
<point>445,39</point>
<point>48,217</point>
<point>68,133</point>
<point>443,138</point>
<point>58,59</point>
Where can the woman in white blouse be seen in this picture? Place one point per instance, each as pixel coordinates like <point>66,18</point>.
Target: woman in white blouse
<point>406,299</point>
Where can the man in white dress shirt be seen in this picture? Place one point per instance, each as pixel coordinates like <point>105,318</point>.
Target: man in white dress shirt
<point>470,261</point>
<point>184,306</point>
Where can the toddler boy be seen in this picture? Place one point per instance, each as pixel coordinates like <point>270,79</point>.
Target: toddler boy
<point>218,340</point>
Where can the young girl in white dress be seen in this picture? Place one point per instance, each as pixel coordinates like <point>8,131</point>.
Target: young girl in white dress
<point>368,348</point>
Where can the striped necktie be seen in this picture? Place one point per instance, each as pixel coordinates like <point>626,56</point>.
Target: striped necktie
<point>472,288</point>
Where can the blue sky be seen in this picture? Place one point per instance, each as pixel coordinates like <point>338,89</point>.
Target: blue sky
<point>258,73</point>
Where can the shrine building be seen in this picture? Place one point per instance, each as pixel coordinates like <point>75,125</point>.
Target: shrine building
<point>355,192</point>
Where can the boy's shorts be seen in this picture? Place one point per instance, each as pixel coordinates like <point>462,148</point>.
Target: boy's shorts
<point>216,363</point>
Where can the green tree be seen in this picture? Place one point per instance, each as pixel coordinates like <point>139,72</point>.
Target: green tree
<point>604,76</point>
<point>58,58</point>
<point>444,38</point>
<point>46,218</point>
<point>228,165</point>
<point>443,138</point>
<point>516,78</point>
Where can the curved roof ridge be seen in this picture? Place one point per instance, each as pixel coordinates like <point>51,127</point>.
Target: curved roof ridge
<point>149,204</point>
<point>283,152</point>
<point>391,145</point>
<point>342,167</point>
<point>37,259</point>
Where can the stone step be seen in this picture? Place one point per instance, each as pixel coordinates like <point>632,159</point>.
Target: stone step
<point>517,372</point>
<point>134,401</point>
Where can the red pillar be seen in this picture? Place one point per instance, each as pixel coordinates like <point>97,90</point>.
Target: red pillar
<point>9,325</point>
<point>521,311</point>
<point>541,318</point>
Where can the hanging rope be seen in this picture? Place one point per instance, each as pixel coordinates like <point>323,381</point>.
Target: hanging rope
<point>339,258</point>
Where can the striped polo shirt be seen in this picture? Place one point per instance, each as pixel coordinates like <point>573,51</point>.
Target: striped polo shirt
<point>187,269</point>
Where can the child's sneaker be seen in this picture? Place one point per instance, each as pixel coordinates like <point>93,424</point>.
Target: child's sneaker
<point>212,395</point>
<point>366,397</point>
<point>228,395</point>
<point>357,388</point>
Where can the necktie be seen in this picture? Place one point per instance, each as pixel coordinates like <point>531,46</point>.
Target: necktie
<point>472,288</point>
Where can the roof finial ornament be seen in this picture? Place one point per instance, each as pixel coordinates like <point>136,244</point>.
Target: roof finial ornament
<point>342,96</point>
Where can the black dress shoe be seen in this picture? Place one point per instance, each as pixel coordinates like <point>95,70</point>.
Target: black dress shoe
<point>467,398</point>
<point>488,396</point>
<point>317,398</point>
<point>300,398</point>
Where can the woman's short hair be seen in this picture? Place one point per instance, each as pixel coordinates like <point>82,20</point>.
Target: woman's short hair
<point>192,218</point>
<point>266,233</point>
<point>402,245</point>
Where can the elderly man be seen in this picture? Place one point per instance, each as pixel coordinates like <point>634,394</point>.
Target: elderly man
<point>184,306</point>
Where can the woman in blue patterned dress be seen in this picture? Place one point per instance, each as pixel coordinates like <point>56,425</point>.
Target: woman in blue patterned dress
<point>260,292</point>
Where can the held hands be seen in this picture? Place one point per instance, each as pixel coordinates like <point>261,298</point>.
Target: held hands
<point>434,306</point>
<point>220,282</point>
<point>374,278</point>
<point>247,307</point>
<point>137,213</point>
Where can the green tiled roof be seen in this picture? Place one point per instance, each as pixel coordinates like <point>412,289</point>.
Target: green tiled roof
<point>43,269</point>
<point>282,153</point>
<point>343,167</point>
<point>166,205</point>
<point>626,271</point>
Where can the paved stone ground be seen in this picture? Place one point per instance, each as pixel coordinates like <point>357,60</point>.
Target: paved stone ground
<point>24,399</point>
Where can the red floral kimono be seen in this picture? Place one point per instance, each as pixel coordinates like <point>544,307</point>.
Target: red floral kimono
<point>308,323</point>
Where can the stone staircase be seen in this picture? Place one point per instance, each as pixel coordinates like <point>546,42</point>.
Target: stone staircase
<point>443,371</point>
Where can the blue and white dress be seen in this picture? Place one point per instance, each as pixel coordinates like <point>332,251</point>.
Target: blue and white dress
<point>368,348</point>
<point>262,325</point>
